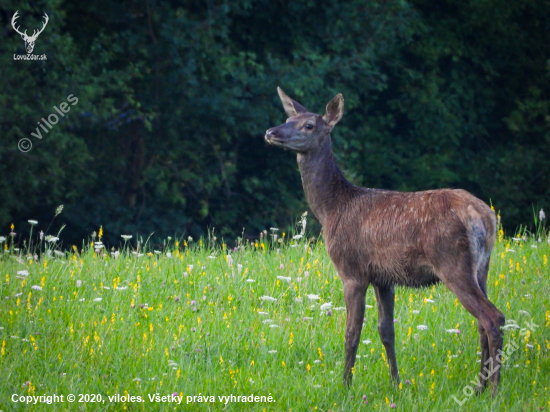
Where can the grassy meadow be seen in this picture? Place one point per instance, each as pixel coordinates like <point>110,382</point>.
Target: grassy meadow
<point>267,319</point>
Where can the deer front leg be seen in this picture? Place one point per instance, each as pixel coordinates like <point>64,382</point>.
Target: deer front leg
<point>385,298</point>
<point>354,294</point>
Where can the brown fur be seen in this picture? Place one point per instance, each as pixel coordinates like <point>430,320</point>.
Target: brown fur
<point>385,238</point>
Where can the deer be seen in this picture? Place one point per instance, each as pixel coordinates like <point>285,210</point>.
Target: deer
<point>29,40</point>
<point>385,238</point>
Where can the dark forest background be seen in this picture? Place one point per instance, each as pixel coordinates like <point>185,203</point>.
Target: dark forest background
<point>174,98</point>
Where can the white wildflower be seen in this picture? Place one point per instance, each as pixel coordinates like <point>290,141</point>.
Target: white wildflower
<point>421,327</point>
<point>34,222</point>
<point>307,318</point>
<point>168,254</point>
<point>36,287</point>
<point>339,308</point>
<point>126,237</point>
<point>369,306</point>
<point>316,361</point>
<point>326,306</point>
<point>297,237</point>
<point>250,280</point>
<point>453,331</point>
<point>303,221</point>
<point>313,297</point>
<point>272,351</point>
<point>98,299</point>
<point>529,346</point>
<point>2,239</point>
<point>78,283</point>
<point>298,300</point>
<point>51,239</point>
<point>542,215</point>
<point>267,321</point>
<point>287,279</point>
<point>429,300</point>
<point>524,313</point>
<point>23,273</point>
<point>268,298</point>
<point>122,287</point>
<point>366,342</point>
<point>263,313</point>
<point>136,380</point>
<point>229,260</point>
<point>273,326</point>
<point>416,312</point>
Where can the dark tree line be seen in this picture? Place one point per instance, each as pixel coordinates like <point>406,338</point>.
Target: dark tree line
<point>174,99</point>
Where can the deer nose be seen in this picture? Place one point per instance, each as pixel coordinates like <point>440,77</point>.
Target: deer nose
<point>270,133</point>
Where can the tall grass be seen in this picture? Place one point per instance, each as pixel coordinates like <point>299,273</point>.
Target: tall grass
<point>190,320</point>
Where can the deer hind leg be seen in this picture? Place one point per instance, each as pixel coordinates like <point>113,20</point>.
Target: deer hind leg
<point>463,282</point>
<point>354,295</point>
<point>385,299</point>
<point>482,273</point>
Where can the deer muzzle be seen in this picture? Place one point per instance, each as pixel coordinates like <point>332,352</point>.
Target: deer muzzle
<point>272,135</point>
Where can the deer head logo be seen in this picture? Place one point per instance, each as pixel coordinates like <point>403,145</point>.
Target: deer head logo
<point>29,40</point>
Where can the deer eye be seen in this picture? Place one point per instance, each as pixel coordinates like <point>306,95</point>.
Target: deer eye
<point>308,126</point>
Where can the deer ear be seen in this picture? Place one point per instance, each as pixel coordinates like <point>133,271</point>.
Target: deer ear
<point>335,110</point>
<point>292,107</point>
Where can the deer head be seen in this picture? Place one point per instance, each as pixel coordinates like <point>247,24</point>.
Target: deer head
<point>305,131</point>
<point>29,40</point>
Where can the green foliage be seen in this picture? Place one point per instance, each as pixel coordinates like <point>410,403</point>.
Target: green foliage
<point>167,135</point>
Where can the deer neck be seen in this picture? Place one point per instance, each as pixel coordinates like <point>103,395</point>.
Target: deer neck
<point>324,184</point>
